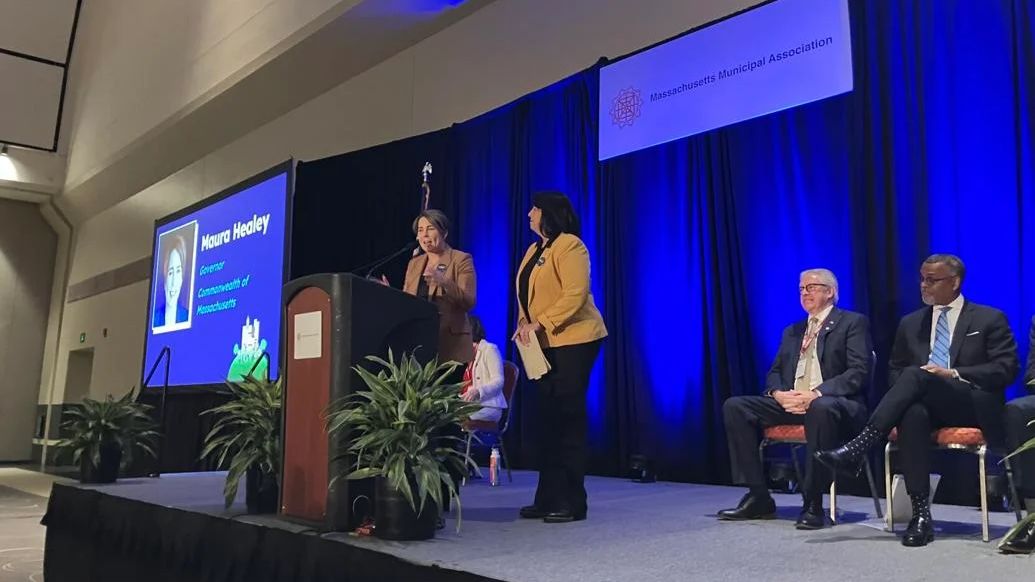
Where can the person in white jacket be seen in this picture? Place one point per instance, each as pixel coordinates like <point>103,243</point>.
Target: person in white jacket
<point>483,379</point>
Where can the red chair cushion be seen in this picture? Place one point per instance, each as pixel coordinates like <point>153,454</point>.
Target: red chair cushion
<point>481,426</point>
<point>785,432</point>
<point>952,435</point>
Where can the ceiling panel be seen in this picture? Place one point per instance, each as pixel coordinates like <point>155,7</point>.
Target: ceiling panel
<point>35,40</point>
<point>40,28</point>
<point>30,94</point>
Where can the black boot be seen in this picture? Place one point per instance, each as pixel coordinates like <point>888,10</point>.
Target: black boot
<point>812,515</point>
<point>1021,541</point>
<point>848,457</point>
<point>753,505</point>
<point>921,528</point>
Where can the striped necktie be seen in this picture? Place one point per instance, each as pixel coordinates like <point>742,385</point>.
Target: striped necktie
<point>940,350</point>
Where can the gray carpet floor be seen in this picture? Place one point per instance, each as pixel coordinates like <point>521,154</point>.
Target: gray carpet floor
<point>21,536</point>
<point>660,532</point>
<point>667,531</point>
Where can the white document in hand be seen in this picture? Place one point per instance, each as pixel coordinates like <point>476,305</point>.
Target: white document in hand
<point>533,358</point>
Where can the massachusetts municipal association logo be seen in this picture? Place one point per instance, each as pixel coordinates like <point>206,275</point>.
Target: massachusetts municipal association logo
<point>626,106</point>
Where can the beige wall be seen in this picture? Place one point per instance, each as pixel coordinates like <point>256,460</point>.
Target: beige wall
<point>501,52</point>
<point>117,357</point>
<point>27,248</point>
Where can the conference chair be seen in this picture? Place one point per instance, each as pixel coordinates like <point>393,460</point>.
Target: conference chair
<point>954,438</point>
<point>794,435</point>
<point>493,427</point>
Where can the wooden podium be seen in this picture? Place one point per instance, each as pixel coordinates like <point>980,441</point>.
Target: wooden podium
<point>333,321</point>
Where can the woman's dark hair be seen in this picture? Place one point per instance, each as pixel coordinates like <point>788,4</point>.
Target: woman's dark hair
<point>436,217</point>
<point>477,330</point>
<point>558,214</point>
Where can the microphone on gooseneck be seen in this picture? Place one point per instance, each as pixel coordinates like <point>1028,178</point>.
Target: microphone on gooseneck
<point>371,267</point>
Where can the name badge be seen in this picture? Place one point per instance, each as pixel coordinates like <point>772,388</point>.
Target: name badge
<point>541,261</point>
<point>441,268</point>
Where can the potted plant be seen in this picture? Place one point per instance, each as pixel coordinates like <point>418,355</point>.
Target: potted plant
<point>1023,525</point>
<point>403,430</point>
<point>247,432</point>
<point>104,434</point>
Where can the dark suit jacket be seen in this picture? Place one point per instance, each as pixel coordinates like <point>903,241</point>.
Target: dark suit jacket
<point>1029,375</point>
<point>983,351</point>
<point>454,299</point>
<point>844,350</point>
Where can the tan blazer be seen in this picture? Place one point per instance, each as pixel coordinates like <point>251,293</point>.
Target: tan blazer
<point>454,300</point>
<point>558,294</point>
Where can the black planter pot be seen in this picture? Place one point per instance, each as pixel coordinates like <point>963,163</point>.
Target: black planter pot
<point>395,519</point>
<point>108,469</point>
<point>261,492</point>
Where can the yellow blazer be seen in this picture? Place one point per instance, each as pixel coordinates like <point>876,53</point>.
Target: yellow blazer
<point>454,299</point>
<point>558,294</point>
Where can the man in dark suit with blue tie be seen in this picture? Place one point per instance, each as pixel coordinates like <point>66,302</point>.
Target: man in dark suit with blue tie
<point>950,365</point>
<point>817,380</point>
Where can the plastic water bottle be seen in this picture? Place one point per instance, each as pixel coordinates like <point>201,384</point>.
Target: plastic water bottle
<point>494,467</point>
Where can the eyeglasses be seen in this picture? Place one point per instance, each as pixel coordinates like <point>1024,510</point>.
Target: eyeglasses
<point>812,287</point>
<point>932,280</point>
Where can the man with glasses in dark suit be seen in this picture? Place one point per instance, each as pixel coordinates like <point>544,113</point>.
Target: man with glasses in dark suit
<point>950,365</point>
<point>817,380</point>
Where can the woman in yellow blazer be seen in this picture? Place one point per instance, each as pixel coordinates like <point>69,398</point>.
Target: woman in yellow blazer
<point>555,304</point>
<point>444,276</point>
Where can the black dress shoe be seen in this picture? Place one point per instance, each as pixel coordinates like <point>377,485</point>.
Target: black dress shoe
<point>919,533</point>
<point>563,517</point>
<point>841,460</point>
<point>811,516</point>
<point>750,507</point>
<point>532,512</point>
<point>1022,542</point>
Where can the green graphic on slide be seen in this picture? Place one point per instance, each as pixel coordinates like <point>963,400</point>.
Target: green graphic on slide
<point>248,352</point>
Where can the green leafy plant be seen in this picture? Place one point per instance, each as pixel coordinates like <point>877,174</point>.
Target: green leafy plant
<point>247,431</point>
<point>1025,446</point>
<point>123,422</point>
<point>399,427</point>
<point>1024,523</point>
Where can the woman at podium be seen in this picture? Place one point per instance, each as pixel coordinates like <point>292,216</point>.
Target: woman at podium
<point>557,310</point>
<point>444,276</point>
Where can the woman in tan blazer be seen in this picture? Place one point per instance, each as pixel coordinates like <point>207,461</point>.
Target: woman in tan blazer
<point>444,276</point>
<point>555,304</point>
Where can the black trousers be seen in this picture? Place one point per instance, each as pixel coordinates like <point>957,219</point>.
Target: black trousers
<point>829,421</point>
<point>917,404</point>
<point>1018,414</point>
<point>457,432</point>
<point>562,428</point>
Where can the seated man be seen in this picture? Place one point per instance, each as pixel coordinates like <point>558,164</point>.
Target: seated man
<point>816,380</point>
<point>1019,413</point>
<point>950,364</point>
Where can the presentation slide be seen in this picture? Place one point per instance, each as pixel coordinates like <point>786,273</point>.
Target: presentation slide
<point>774,57</point>
<point>218,269</point>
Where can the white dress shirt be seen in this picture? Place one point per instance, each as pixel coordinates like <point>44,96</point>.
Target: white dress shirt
<point>953,314</point>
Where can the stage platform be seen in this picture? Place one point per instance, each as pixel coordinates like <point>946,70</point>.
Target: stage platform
<point>175,528</point>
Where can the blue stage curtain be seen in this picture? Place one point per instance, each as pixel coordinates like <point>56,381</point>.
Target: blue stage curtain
<point>697,244</point>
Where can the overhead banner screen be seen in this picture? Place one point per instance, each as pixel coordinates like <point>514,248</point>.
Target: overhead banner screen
<point>774,57</point>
